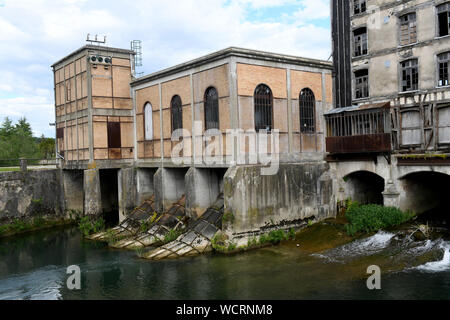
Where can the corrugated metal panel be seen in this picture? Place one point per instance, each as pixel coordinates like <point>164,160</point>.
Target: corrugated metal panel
<point>357,144</point>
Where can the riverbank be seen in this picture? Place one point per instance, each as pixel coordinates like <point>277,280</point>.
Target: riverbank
<point>21,226</point>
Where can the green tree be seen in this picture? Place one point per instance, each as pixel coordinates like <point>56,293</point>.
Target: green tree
<point>46,147</point>
<point>17,141</point>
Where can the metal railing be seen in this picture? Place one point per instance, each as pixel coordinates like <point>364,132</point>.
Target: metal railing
<point>24,163</point>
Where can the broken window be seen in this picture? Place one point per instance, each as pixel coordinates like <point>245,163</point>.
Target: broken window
<point>263,108</point>
<point>443,12</point>
<point>408,29</point>
<point>443,62</point>
<point>361,84</point>
<point>410,75</point>
<point>360,42</point>
<point>176,111</point>
<point>211,109</point>
<point>307,104</point>
<point>148,121</point>
<point>114,138</point>
<point>359,6</point>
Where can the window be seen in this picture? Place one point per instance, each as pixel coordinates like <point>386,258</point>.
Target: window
<point>361,84</point>
<point>177,113</point>
<point>307,103</point>
<point>148,121</point>
<point>359,6</point>
<point>408,29</point>
<point>410,75</point>
<point>443,12</point>
<point>263,108</point>
<point>443,61</point>
<point>211,109</point>
<point>360,42</point>
<point>114,138</point>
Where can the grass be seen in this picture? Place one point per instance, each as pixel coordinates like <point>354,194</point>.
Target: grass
<point>9,169</point>
<point>18,226</point>
<point>220,244</point>
<point>88,226</point>
<point>372,217</point>
<point>172,235</point>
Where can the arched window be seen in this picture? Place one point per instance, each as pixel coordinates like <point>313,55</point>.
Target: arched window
<point>263,108</point>
<point>177,113</point>
<point>211,109</point>
<point>307,103</point>
<point>148,121</point>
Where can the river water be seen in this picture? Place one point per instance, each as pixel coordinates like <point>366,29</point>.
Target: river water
<point>34,267</point>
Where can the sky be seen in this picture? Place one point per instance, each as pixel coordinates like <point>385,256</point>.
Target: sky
<point>36,33</point>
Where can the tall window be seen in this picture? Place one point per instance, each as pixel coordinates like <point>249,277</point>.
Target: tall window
<point>361,84</point>
<point>176,111</point>
<point>263,107</point>
<point>443,12</point>
<point>410,75</point>
<point>148,121</point>
<point>408,29</point>
<point>443,63</point>
<point>211,109</point>
<point>307,103</point>
<point>360,42</point>
<point>359,6</point>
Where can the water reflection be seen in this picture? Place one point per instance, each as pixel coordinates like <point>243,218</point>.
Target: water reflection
<point>34,267</point>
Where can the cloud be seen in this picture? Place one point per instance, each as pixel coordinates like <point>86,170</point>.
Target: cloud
<point>40,32</point>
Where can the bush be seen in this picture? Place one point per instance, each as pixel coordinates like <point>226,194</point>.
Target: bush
<point>372,217</point>
<point>89,227</point>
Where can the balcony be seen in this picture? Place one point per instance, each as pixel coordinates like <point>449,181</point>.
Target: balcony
<point>356,130</point>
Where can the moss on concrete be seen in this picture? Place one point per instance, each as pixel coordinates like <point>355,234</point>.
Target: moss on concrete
<point>18,226</point>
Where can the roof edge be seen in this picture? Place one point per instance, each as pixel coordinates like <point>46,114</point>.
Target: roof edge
<point>235,52</point>
<point>92,47</point>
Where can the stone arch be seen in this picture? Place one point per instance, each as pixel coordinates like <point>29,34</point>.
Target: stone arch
<point>364,186</point>
<point>422,190</point>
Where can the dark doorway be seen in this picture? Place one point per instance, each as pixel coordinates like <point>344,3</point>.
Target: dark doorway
<point>109,185</point>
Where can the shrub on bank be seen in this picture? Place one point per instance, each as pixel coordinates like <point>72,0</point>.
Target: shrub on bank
<point>372,217</point>
<point>88,227</point>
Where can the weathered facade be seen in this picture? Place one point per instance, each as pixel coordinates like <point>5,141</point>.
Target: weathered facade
<point>399,53</point>
<point>94,110</point>
<point>180,131</point>
<point>390,140</point>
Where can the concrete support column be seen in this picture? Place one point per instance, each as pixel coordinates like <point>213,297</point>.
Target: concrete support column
<point>391,196</point>
<point>202,190</point>
<point>169,187</point>
<point>127,192</point>
<point>144,184</point>
<point>73,189</point>
<point>92,192</point>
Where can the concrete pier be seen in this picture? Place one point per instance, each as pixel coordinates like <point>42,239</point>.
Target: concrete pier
<point>92,192</point>
<point>73,182</point>
<point>169,186</point>
<point>203,186</point>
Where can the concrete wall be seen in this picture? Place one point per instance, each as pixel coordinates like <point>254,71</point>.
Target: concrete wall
<point>73,183</point>
<point>30,194</point>
<point>256,204</point>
